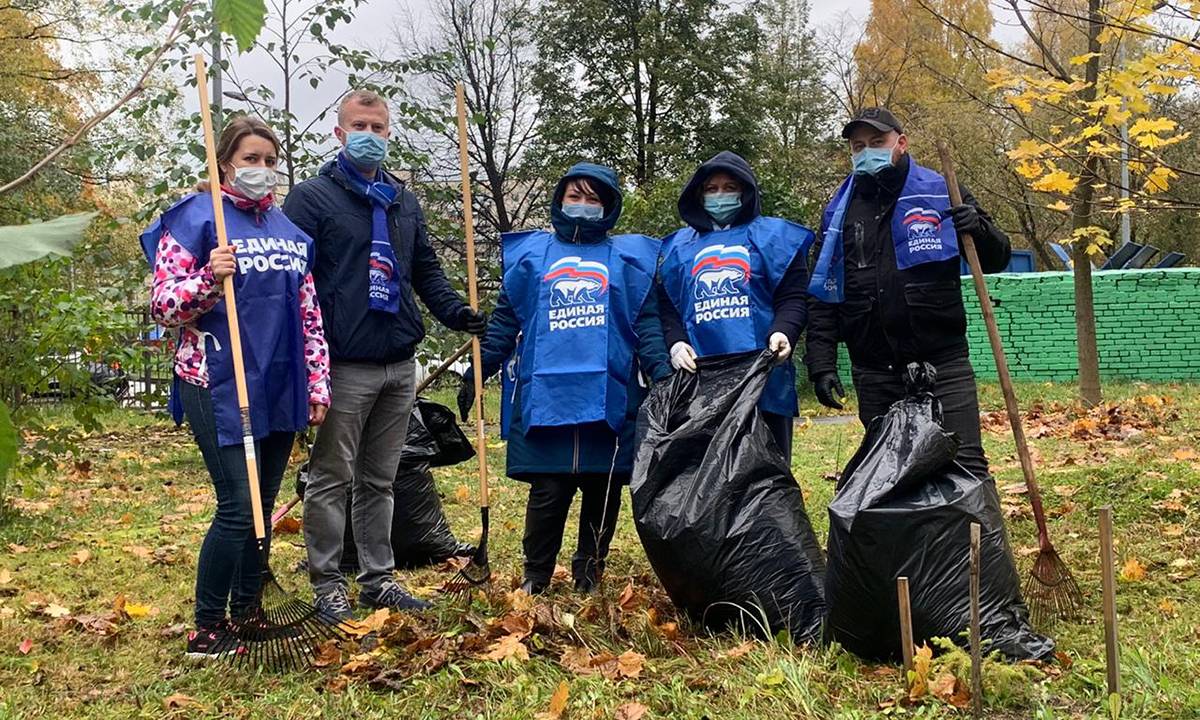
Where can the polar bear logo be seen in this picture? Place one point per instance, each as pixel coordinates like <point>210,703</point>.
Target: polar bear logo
<point>574,291</point>
<point>722,281</point>
<point>922,223</point>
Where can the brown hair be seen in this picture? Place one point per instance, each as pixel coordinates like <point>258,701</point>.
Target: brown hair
<point>366,98</point>
<point>238,127</point>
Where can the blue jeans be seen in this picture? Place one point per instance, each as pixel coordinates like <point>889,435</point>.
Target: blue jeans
<point>228,572</point>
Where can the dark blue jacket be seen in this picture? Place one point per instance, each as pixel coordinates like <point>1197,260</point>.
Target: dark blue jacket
<point>586,449</point>
<point>790,301</point>
<point>339,220</point>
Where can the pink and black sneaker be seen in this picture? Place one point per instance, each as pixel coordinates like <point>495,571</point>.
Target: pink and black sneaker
<point>214,642</point>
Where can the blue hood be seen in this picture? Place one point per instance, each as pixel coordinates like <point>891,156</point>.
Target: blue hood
<point>587,231</point>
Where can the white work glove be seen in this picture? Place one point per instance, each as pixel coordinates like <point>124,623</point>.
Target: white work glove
<point>683,357</point>
<point>778,344</point>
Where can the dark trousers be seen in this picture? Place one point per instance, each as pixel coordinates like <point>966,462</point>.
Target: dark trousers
<point>228,571</point>
<point>546,518</point>
<point>955,388</point>
<point>781,427</point>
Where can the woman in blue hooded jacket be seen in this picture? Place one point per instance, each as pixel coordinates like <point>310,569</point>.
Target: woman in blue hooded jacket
<point>577,333</point>
<point>734,281</point>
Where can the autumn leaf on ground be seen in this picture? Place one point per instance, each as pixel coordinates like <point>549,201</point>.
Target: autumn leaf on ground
<point>1185,454</point>
<point>80,557</point>
<point>509,646</point>
<point>462,494</point>
<point>577,659</point>
<point>5,577</point>
<point>1167,607</point>
<point>740,650</point>
<point>141,552</point>
<point>136,611</point>
<point>948,689</point>
<point>55,610</point>
<point>918,677</point>
<point>288,525</point>
<point>631,711</point>
<point>25,646</point>
<point>179,700</point>
<point>558,703</point>
<point>630,663</point>
<point>328,654</point>
<point>1133,571</point>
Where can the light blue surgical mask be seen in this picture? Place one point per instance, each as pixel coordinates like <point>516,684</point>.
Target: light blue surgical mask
<point>721,207</point>
<point>870,161</point>
<point>583,211</point>
<point>365,149</point>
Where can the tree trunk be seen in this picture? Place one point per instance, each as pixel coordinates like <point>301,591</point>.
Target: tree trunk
<point>1085,312</point>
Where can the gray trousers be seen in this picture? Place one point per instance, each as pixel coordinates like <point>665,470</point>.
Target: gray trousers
<point>360,443</point>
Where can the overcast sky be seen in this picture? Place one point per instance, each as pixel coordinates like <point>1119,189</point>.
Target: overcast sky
<point>378,23</point>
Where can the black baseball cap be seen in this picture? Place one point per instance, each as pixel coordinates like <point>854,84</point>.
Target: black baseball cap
<point>879,118</point>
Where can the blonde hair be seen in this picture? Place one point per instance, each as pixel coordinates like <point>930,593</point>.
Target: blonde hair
<point>366,98</point>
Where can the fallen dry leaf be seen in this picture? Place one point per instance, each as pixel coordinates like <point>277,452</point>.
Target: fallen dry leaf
<point>5,576</point>
<point>25,646</point>
<point>328,654</point>
<point>740,650</point>
<point>509,646</point>
<point>179,700</point>
<point>1133,571</point>
<point>55,610</point>
<point>630,664</point>
<point>16,549</point>
<point>577,659</point>
<point>80,557</point>
<point>558,703</point>
<point>1185,454</point>
<point>141,552</point>
<point>1167,607</point>
<point>288,525</point>
<point>631,711</point>
<point>462,494</point>
<point>137,611</point>
<point>918,677</point>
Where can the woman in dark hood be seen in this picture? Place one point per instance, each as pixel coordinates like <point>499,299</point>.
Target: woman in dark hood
<point>734,281</point>
<point>576,331</point>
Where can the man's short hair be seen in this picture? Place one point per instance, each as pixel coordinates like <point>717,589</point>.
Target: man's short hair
<point>366,98</point>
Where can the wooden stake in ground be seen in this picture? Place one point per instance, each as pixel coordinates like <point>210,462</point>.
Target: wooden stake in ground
<point>1051,589</point>
<point>281,632</point>
<point>478,571</point>
<point>906,633</point>
<point>1108,580</point>
<point>976,640</point>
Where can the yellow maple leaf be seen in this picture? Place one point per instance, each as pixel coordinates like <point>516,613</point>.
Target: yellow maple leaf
<point>1059,205</point>
<point>1081,59</point>
<point>1159,179</point>
<point>1133,571</point>
<point>918,677</point>
<point>1056,181</point>
<point>1167,607</point>
<point>136,611</point>
<point>558,703</point>
<point>1145,126</point>
<point>509,646</point>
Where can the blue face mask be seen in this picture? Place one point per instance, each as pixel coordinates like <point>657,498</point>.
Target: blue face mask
<point>721,207</point>
<point>365,149</point>
<point>583,211</point>
<point>870,161</point>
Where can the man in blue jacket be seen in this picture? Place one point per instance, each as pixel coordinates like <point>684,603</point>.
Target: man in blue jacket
<point>372,252</point>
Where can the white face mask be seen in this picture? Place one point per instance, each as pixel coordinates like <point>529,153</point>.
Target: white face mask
<point>254,182</point>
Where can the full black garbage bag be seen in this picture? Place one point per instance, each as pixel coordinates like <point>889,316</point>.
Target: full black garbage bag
<point>420,533</point>
<point>904,508</point>
<point>717,509</point>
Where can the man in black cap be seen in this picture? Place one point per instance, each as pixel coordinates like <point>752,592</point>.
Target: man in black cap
<point>886,282</point>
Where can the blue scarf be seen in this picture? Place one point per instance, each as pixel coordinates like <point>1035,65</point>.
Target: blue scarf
<point>921,231</point>
<point>383,280</point>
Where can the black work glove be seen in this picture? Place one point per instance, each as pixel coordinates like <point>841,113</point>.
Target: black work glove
<point>825,386</point>
<point>473,321</point>
<point>966,219</point>
<point>466,394</point>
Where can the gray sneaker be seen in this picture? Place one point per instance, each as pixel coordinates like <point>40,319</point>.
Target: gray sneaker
<point>391,595</point>
<point>334,606</point>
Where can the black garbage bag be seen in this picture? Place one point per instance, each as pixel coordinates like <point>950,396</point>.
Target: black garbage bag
<point>420,533</point>
<point>904,507</point>
<point>434,437</point>
<point>717,509</point>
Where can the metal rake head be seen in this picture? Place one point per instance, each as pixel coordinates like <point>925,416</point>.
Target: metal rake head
<point>1051,591</point>
<point>281,632</point>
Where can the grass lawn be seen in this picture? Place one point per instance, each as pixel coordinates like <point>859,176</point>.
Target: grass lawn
<point>127,524</point>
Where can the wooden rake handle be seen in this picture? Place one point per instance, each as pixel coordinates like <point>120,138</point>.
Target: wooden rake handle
<point>993,331</point>
<point>235,335</point>
<point>472,289</point>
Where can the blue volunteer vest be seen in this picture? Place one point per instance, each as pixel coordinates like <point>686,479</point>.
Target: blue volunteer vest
<point>577,305</point>
<point>723,285</point>
<point>272,259</point>
<point>920,230</point>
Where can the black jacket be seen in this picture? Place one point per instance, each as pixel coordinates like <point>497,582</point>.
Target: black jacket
<point>790,300</point>
<point>339,220</point>
<point>891,317</point>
